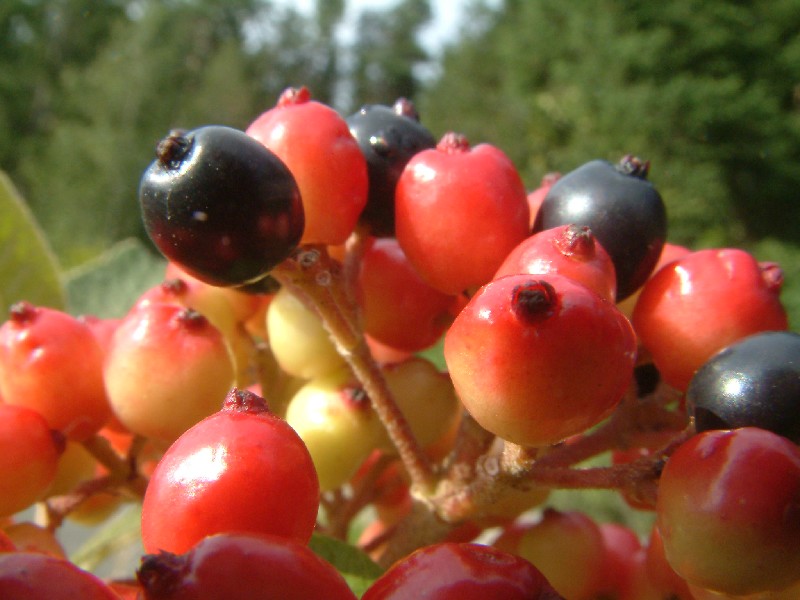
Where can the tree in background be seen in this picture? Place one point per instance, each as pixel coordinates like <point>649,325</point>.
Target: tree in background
<point>707,91</point>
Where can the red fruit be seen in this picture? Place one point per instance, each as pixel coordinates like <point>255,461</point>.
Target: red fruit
<point>703,302</point>
<point>28,457</point>
<point>568,250</point>
<point>537,360</point>
<point>461,571</point>
<point>242,567</point>
<point>399,309</point>
<point>166,369</point>
<point>729,511</point>
<point>314,141</point>
<point>459,212</point>
<point>52,363</point>
<point>567,547</point>
<point>659,574</point>
<point>241,469</point>
<point>537,196</point>
<point>622,564</point>
<point>37,576</point>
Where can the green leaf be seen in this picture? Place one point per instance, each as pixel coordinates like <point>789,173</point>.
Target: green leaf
<point>357,568</point>
<point>28,268</point>
<point>108,286</point>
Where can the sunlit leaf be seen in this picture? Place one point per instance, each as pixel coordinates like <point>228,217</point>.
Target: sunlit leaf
<point>108,286</point>
<point>357,568</point>
<point>28,268</point>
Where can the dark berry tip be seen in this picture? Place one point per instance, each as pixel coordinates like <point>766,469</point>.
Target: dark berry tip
<point>171,150</point>
<point>292,95</point>
<point>356,397</point>
<point>453,142</point>
<point>175,286</point>
<point>772,275</point>
<point>192,319</point>
<point>22,312</point>
<point>245,401</point>
<point>533,300</point>
<point>160,575</point>
<point>634,166</point>
<point>576,241</point>
<point>405,108</point>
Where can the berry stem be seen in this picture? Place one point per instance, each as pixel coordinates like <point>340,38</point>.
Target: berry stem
<point>319,281</point>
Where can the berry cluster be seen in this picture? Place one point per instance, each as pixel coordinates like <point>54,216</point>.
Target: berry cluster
<point>367,335</point>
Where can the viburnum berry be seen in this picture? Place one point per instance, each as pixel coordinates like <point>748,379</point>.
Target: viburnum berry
<point>399,308</point>
<point>38,576</point>
<point>333,416</point>
<point>388,137</point>
<point>167,368</point>
<point>622,208</point>
<point>298,338</point>
<point>237,566</point>
<point>461,571</point>
<point>702,302</point>
<point>729,511</point>
<point>566,546</point>
<point>29,452</point>
<point>220,205</point>
<point>241,469</point>
<point>537,196</point>
<point>52,363</point>
<point>460,210</point>
<point>754,382</point>
<point>537,360</point>
<point>569,250</point>
<point>314,141</point>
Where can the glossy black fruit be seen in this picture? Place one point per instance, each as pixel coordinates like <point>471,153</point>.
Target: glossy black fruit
<point>388,138</point>
<point>754,382</point>
<point>220,205</point>
<point>623,209</point>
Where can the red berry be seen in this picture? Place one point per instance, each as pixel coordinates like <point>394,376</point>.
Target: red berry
<point>568,250</point>
<point>461,571</point>
<point>37,576</point>
<point>702,302</point>
<point>167,368</point>
<point>314,141</point>
<point>459,211</point>
<point>52,363</point>
<point>729,511</point>
<point>399,308</point>
<point>537,196</point>
<point>29,454</point>
<point>537,360</point>
<point>241,469</point>
<point>241,567</point>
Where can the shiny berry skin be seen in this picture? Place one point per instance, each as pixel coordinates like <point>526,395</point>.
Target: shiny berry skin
<point>702,302</point>
<point>537,196</point>
<point>535,360</point>
<point>399,308</point>
<point>241,567</point>
<point>460,210</point>
<point>314,141</point>
<point>29,452</point>
<point>241,469</point>
<point>461,571</point>
<point>622,208</point>
<point>729,511</point>
<point>569,250</point>
<point>220,205</point>
<point>167,368</point>
<point>388,137</point>
<point>52,363</point>
<point>333,416</point>
<point>754,382</point>
<point>37,576</point>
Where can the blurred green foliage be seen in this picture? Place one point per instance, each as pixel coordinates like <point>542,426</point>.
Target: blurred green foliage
<point>707,91</point>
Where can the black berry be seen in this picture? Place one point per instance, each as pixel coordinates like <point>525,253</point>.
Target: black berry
<point>622,208</point>
<point>752,383</point>
<point>220,205</point>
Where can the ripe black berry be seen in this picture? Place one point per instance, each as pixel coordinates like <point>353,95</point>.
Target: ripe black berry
<point>388,138</point>
<point>624,211</point>
<point>754,382</point>
<point>220,205</point>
